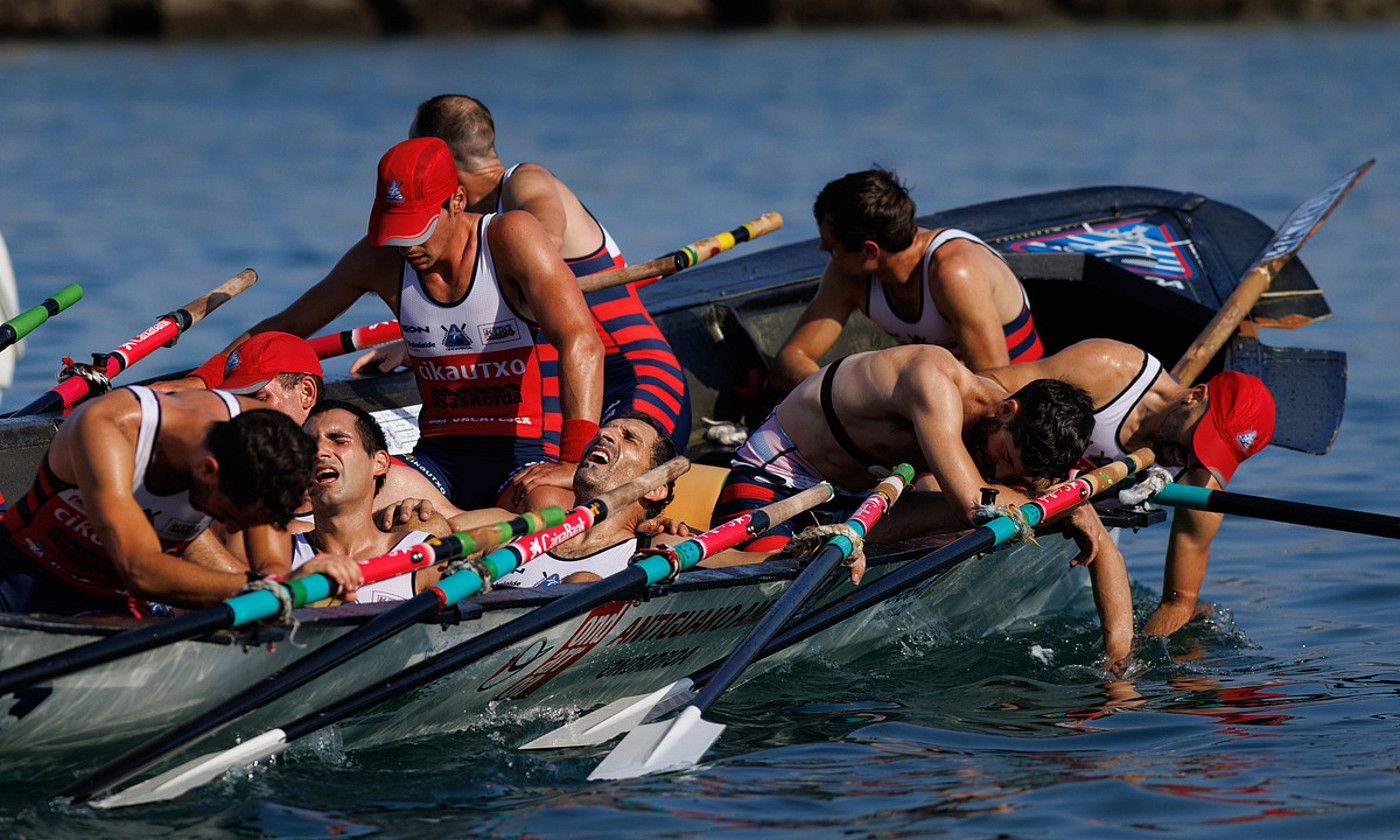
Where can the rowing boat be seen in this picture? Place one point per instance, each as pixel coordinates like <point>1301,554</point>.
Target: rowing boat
<point>1084,256</point>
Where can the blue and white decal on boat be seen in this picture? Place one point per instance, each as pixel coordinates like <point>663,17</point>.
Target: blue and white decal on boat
<point>1142,245</point>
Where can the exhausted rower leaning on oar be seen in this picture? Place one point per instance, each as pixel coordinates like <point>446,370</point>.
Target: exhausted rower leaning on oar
<point>479,297</point>
<point>865,413</point>
<point>922,286</point>
<point>626,447</point>
<point>117,516</point>
<point>640,371</point>
<point>1205,431</point>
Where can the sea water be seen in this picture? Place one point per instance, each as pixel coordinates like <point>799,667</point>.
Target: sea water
<point>149,173</point>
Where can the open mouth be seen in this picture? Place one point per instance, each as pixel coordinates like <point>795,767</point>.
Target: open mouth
<point>597,455</point>
<point>326,475</point>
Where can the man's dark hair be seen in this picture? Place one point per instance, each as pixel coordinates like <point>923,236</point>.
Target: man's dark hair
<point>371,434</point>
<point>263,457</point>
<point>463,123</point>
<point>292,380</point>
<point>870,205</point>
<point>662,451</point>
<point>1052,427</point>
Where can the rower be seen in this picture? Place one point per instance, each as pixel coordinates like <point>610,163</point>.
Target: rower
<point>477,296</point>
<point>863,414</point>
<point>117,517</point>
<point>282,372</point>
<point>627,446</point>
<point>352,461</point>
<point>938,286</point>
<point>1205,431</point>
<point>640,371</point>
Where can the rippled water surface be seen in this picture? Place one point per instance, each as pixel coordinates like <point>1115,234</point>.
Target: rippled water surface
<point>149,173</point>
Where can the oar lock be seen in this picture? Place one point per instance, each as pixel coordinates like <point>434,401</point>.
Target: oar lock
<point>95,374</point>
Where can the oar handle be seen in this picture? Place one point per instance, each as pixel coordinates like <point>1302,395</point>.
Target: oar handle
<point>221,294</point>
<point>25,322</point>
<point>360,338</point>
<point>683,258</point>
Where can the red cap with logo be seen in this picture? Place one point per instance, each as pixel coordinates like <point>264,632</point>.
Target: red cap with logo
<point>415,178</point>
<point>261,358</point>
<point>1239,421</point>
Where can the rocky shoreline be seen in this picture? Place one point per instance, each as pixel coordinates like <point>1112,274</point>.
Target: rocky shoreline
<point>216,19</point>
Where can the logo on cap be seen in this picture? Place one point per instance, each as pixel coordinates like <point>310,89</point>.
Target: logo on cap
<point>393,193</point>
<point>232,365</point>
<point>1246,439</point>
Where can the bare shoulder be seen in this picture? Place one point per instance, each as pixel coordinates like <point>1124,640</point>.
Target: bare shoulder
<point>1103,356</point>
<point>924,371</point>
<point>514,227</point>
<point>530,172</point>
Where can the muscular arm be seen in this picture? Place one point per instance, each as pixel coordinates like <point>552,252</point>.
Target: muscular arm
<point>100,457</point>
<point>520,247</point>
<point>962,290</point>
<point>534,189</point>
<point>1188,550</point>
<point>817,329</point>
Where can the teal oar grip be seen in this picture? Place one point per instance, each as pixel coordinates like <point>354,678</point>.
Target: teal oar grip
<point>1184,495</point>
<point>253,606</point>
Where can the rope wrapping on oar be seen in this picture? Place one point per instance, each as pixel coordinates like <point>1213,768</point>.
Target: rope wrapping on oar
<point>285,602</point>
<point>667,554</point>
<point>1024,530</point>
<point>814,537</point>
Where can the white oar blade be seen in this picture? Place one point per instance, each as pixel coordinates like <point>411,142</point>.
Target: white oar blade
<point>660,747</point>
<point>606,723</point>
<point>194,773</point>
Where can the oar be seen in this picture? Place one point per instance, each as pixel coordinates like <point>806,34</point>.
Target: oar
<point>429,602</point>
<point>254,606</point>
<point>1290,237</point>
<point>626,713</point>
<point>680,742</point>
<point>25,322</point>
<point>650,569</point>
<point>373,335</point>
<point>679,260</point>
<point>359,338</point>
<point>1279,510</point>
<point>74,388</point>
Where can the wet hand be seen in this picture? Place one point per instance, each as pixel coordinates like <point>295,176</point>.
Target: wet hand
<point>406,510</point>
<point>664,525</point>
<point>380,360</point>
<point>346,573</point>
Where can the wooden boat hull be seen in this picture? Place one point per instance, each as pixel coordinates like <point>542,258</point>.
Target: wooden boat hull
<point>617,649</point>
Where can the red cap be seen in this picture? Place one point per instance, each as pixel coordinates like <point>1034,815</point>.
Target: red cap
<point>1239,421</point>
<point>415,178</point>
<point>261,358</point>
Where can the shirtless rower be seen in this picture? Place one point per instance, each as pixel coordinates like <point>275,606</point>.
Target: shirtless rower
<point>1207,431</point>
<point>627,446</point>
<point>918,404</point>
<point>352,461</point>
<point>477,297</point>
<point>922,286</point>
<point>640,371</point>
<point>117,517</point>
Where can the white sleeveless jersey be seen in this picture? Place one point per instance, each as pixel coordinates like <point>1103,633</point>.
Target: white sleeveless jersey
<point>396,588</point>
<point>549,570</point>
<point>1105,444</point>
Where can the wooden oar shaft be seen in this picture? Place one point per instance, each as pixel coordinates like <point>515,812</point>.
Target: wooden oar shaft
<point>683,258</point>
<point>27,321</point>
<point>1279,510</point>
<point>74,389</point>
<point>1291,235</point>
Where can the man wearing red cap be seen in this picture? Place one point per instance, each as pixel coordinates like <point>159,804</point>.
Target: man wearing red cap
<point>476,296</point>
<point>1206,431</point>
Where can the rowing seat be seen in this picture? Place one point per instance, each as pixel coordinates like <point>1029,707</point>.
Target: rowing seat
<point>696,493</point>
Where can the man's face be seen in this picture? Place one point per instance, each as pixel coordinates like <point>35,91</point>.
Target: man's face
<point>848,261</point>
<point>621,452</point>
<point>279,397</point>
<point>344,472</point>
<point>207,498</point>
<point>1173,446</point>
<point>996,454</point>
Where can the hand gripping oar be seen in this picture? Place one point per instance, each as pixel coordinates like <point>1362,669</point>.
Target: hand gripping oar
<point>254,606</point>
<point>429,602</point>
<point>651,568</point>
<point>25,322</point>
<point>1279,510</point>
<point>373,335</point>
<point>679,743</point>
<point>1292,234</point>
<point>624,714</point>
<point>79,381</point>
<point>679,260</point>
